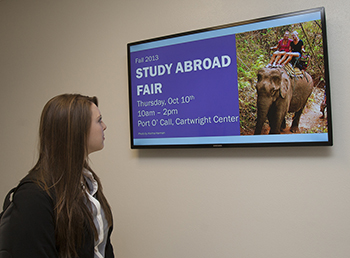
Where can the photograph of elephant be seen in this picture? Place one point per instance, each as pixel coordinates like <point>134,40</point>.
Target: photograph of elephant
<point>274,96</point>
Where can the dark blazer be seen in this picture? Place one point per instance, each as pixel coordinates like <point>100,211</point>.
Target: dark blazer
<point>30,231</point>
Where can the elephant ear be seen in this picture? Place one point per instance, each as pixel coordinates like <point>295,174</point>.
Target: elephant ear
<point>285,84</point>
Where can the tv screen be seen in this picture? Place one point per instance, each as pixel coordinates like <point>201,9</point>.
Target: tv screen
<point>262,82</point>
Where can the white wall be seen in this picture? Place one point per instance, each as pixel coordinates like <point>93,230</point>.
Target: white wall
<point>234,203</point>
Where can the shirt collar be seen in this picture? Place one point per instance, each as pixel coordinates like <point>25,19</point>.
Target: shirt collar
<point>92,183</point>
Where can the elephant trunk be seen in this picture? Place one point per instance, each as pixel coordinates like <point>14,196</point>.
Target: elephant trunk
<point>263,109</point>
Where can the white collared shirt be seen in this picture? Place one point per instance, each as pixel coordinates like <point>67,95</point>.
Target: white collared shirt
<point>98,215</point>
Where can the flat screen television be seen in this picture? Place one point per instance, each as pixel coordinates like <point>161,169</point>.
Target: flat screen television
<point>223,87</point>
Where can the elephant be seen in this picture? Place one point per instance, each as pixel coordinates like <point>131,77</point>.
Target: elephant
<point>278,94</point>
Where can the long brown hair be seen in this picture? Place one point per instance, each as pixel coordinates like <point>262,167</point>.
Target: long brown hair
<point>63,133</point>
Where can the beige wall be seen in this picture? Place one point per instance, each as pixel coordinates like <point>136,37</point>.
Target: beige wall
<point>232,203</point>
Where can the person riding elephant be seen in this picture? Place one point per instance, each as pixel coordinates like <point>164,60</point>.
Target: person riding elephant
<point>279,94</point>
<point>297,48</point>
<point>282,48</point>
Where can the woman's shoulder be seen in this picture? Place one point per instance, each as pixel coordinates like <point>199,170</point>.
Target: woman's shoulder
<point>30,194</point>
<point>30,222</point>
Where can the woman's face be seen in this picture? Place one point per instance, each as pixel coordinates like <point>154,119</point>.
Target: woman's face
<point>294,36</point>
<point>96,135</point>
<point>286,35</point>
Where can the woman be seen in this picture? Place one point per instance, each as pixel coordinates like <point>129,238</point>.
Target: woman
<point>282,47</point>
<point>62,211</point>
<point>297,47</point>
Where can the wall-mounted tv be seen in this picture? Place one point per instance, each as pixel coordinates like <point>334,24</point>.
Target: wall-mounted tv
<point>262,82</point>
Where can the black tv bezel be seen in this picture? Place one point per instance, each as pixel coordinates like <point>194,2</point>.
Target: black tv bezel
<point>249,144</point>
